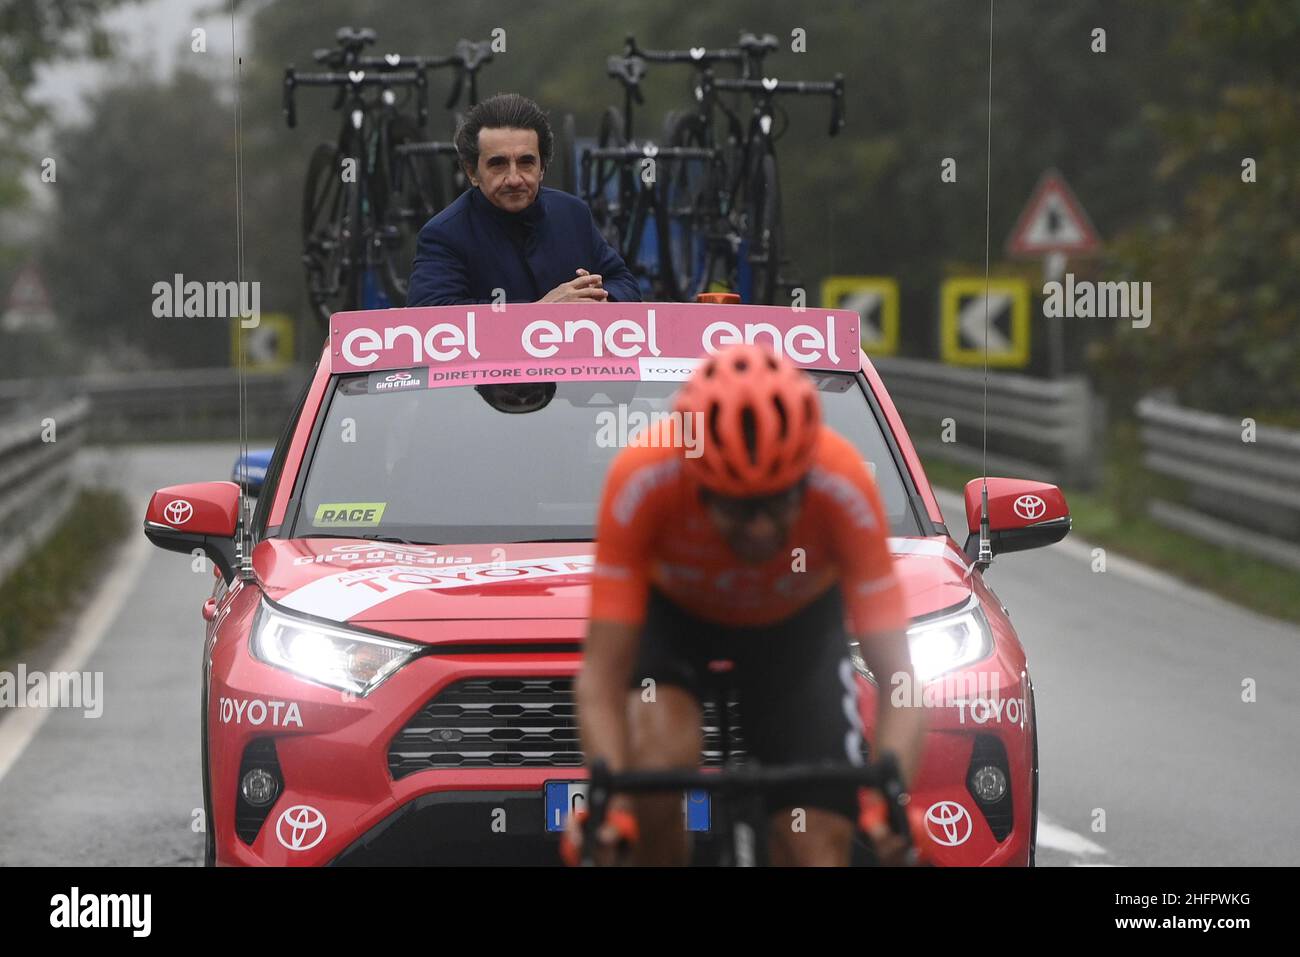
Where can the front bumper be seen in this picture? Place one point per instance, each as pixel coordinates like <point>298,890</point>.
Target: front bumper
<point>343,802</point>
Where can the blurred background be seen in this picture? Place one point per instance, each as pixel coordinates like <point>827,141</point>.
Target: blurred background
<point>1174,123</point>
<point>1178,442</point>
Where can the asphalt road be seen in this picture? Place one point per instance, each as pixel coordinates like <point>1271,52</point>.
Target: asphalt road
<point>1138,682</point>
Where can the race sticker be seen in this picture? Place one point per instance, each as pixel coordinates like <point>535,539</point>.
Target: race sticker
<point>345,595</point>
<point>399,381</point>
<point>349,514</point>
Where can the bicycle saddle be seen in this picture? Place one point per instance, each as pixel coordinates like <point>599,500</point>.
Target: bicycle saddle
<point>755,44</point>
<point>473,55</point>
<point>628,70</point>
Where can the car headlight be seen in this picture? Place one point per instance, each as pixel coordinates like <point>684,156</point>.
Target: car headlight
<point>940,645</point>
<point>336,657</point>
<point>948,643</point>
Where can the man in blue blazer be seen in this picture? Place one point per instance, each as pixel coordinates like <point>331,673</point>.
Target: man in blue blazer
<point>508,236</point>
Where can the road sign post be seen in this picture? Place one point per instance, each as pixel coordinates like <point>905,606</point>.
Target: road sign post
<point>1053,225</point>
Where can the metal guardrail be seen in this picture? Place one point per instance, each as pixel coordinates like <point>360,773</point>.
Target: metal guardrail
<point>1243,495</point>
<point>1044,429</point>
<point>37,475</point>
<point>183,404</point>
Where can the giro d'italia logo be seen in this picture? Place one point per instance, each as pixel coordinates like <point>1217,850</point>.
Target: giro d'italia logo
<point>300,828</point>
<point>1029,507</point>
<point>948,823</point>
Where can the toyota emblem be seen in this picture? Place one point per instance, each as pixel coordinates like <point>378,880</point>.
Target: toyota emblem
<point>178,511</point>
<point>948,823</point>
<point>1029,507</point>
<point>300,828</point>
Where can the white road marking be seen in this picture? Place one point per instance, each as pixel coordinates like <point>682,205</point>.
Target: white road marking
<point>1056,838</point>
<point>20,726</point>
<point>1080,550</point>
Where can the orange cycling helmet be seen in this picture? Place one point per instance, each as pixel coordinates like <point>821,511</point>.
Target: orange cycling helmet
<point>760,417</point>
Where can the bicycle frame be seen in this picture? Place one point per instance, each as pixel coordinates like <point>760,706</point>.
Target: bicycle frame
<point>638,202</point>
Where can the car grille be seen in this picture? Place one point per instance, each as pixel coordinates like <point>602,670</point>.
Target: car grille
<point>514,723</point>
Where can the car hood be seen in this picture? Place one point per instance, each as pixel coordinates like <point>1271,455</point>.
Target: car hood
<point>388,587</point>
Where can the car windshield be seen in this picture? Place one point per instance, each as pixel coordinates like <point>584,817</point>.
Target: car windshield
<point>520,463</point>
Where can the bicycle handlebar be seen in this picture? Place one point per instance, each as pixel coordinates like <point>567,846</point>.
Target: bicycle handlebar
<point>641,152</point>
<point>697,56</point>
<point>398,61</point>
<point>633,154</point>
<point>739,780</point>
<point>355,80</point>
<point>768,87</point>
<point>883,776</point>
<point>469,58</point>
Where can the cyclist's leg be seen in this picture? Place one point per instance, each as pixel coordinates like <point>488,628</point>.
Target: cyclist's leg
<point>798,706</point>
<point>664,724</point>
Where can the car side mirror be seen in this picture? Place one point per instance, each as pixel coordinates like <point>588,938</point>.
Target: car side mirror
<point>202,515</point>
<point>1022,514</point>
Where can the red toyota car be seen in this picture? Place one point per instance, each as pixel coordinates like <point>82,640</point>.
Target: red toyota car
<point>389,661</point>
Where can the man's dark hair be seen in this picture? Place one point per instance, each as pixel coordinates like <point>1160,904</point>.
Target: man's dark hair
<point>505,110</point>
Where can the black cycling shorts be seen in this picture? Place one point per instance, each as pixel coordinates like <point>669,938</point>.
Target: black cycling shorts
<point>795,687</point>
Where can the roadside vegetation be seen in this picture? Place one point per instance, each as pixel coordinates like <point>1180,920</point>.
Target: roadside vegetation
<point>36,597</point>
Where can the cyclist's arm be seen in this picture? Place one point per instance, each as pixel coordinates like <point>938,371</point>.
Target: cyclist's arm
<point>619,590</point>
<point>899,728</point>
<point>876,610</point>
<point>607,663</point>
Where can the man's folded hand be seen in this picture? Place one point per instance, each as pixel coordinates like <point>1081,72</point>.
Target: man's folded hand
<point>585,288</point>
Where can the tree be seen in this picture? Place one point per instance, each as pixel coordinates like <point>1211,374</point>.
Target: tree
<point>146,190</point>
<point>1225,271</point>
<point>35,32</point>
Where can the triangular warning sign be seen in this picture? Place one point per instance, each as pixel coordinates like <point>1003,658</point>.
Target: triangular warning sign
<point>28,294</point>
<point>1052,222</point>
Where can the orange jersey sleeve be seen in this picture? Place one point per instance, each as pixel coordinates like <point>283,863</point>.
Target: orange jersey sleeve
<point>632,504</point>
<point>858,529</point>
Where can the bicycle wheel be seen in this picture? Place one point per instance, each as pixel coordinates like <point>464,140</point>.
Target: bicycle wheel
<point>765,233</point>
<point>566,160</point>
<point>454,179</point>
<point>609,206</point>
<point>686,196</point>
<point>324,211</point>
<point>411,202</point>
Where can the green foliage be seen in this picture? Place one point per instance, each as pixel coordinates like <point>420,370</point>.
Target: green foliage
<point>33,33</point>
<point>1184,90</point>
<point>39,594</point>
<point>146,190</point>
<point>1225,270</point>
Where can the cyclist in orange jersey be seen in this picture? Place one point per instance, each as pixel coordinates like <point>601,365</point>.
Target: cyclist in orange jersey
<point>758,550</point>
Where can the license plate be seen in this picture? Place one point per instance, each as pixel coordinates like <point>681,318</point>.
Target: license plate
<point>565,796</point>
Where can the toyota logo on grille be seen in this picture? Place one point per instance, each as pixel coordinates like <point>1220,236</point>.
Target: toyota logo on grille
<point>1029,507</point>
<point>178,511</point>
<point>300,828</point>
<point>948,823</point>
